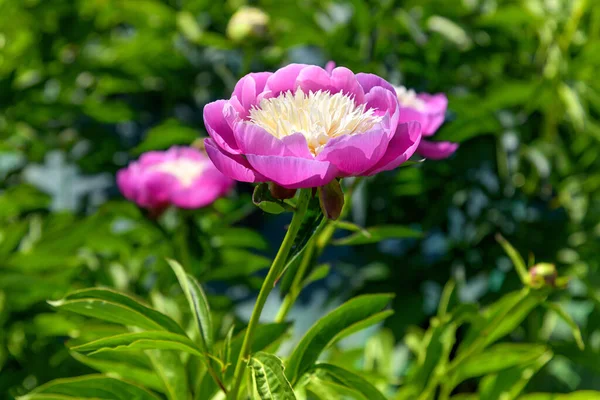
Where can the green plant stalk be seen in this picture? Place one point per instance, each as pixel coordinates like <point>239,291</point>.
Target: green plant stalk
<point>317,243</point>
<point>267,286</point>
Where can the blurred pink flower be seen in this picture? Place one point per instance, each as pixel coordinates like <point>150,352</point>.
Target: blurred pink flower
<point>181,176</point>
<point>429,110</point>
<point>302,126</point>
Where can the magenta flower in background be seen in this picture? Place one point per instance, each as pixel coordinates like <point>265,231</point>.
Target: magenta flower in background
<point>181,176</point>
<point>429,110</point>
<point>302,126</point>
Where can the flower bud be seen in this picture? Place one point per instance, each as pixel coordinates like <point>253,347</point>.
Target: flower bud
<point>543,274</point>
<point>247,23</point>
<point>281,193</point>
<point>331,199</point>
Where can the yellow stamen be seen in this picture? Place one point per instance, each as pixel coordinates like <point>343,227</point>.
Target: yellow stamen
<point>319,116</point>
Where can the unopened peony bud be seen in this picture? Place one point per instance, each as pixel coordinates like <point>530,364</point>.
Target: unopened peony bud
<point>543,274</point>
<point>247,23</point>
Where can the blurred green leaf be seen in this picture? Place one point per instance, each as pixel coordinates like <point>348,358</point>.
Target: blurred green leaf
<point>377,234</point>
<point>580,395</point>
<point>509,383</point>
<point>122,369</point>
<point>169,133</point>
<point>562,314</point>
<point>350,380</point>
<point>496,358</point>
<point>89,387</point>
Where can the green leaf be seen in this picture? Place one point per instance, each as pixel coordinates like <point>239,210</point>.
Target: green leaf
<point>239,237</point>
<point>108,305</point>
<point>320,335</point>
<point>121,368</point>
<point>170,369</point>
<point>264,336</point>
<point>497,358</point>
<point>90,387</point>
<point>516,258</point>
<point>508,383</point>
<point>562,314</point>
<point>169,133</point>
<point>351,380</point>
<point>198,305</point>
<point>581,395</point>
<point>376,234</point>
<point>263,199</point>
<point>501,318</point>
<point>325,389</point>
<point>147,340</point>
<point>268,380</point>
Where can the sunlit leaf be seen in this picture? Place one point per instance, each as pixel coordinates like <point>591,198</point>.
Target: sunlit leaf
<point>268,380</point>
<point>115,307</point>
<point>320,335</point>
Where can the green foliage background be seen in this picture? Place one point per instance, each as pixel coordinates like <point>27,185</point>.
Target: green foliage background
<point>86,85</point>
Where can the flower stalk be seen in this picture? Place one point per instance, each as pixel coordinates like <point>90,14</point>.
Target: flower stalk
<point>267,287</point>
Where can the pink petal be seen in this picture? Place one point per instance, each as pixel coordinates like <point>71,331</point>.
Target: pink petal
<point>369,81</point>
<point>252,139</point>
<point>284,79</point>
<point>400,149</point>
<point>354,154</point>
<point>201,193</point>
<point>248,89</point>
<point>233,166</point>
<point>384,102</point>
<point>218,127</point>
<point>293,172</point>
<point>431,116</point>
<point>436,150</point>
<point>344,80</point>
<point>313,79</point>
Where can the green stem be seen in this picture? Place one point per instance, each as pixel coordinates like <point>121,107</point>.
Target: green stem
<point>267,286</point>
<point>317,244</point>
<point>295,287</point>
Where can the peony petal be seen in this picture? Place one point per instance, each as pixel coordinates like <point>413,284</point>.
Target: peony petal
<point>199,194</point>
<point>293,172</point>
<point>252,139</point>
<point>284,79</point>
<point>402,146</point>
<point>436,150</point>
<point>247,91</point>
<point>233,166</point>
<point>369,81</point>
<point>313,79</point>
<point>218,127</point>
<point>431,116</point>
<point>354,154</point>
<point>344,80</point>
<point>383,101</point>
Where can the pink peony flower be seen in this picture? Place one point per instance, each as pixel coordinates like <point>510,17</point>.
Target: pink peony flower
<point>302,126</point>
<point>181,176</point>
<point>429,110</point>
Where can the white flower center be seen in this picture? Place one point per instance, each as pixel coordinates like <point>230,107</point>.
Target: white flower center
<point>183,169</point>
<point>408,98</point>
<point>319,116</point>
